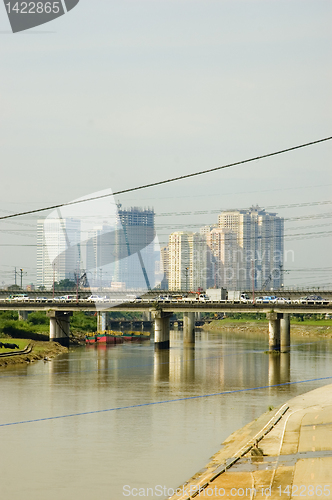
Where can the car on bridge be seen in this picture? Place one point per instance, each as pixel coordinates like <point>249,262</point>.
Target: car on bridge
<point>189,298</point>
<point>165,298</point>
<point>282,300</point>
<point>312,300</point>
<point>265,300</point>
<point>66,298</point>
<point>20,297</point>
<point>96,298</point>
<point>44,299</point>
<point>132,298</point>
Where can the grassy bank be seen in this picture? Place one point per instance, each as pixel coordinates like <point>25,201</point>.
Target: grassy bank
<point>40,350</point>
<point>22,344</point>
<point>260,321</point>
<point>38,324</point>
<point>308,327</point>
<point>304,319</point>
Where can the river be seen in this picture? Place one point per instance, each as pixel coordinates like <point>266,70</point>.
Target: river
<point>106,454</point>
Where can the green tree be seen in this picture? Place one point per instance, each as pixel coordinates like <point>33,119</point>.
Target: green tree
<point>65,285</point>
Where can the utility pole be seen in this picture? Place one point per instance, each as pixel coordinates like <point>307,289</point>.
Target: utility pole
<point>253,280</point>
<point>21,277</point>
<point>53,278</point>
<point>77,283</point>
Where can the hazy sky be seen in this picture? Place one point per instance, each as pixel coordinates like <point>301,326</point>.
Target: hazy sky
<point>119,94</point>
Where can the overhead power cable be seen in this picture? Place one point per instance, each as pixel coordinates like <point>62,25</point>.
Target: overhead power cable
<point>167,181</point>
<point>291,236</point>
<point>140,405</point>
<point>31,233</point>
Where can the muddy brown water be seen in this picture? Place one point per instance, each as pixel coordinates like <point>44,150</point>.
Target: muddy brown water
<point>149,449</point>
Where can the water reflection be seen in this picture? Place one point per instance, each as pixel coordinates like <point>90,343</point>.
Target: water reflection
<point>151,444</point>
<point>175,365</point>
<point>285,367</point>
<point>161,366</point>
<point>279,368</point>
<point>188,375</point>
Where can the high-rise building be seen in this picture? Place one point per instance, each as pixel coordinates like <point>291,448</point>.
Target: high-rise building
<point>164,265</point>
<point>207,229</point>
<point>98,255</point>
<point>135,260</point>
<point>269,248</point>
<point>224,249</point>
<point>256,248</point>
<point>187,261</point>
<point>58,250</point>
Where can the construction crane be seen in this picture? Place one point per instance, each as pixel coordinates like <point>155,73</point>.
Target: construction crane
<point>269,278</point>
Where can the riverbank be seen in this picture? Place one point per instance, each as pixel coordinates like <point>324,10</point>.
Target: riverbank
<point>282,454</point>
<point>39,350</point>
<point>316,329</point>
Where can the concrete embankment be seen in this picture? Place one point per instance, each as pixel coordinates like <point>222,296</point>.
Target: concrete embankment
<point>33,351</point>
<point>284,454</point>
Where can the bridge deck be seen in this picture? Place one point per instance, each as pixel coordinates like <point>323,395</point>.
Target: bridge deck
<point>83,305</point>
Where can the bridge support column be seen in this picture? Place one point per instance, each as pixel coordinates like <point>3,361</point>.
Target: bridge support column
<point>59,326</point>
<point>274,330</point>
<point>188,327</point>
<point>285,333</point>
<point>23,315</point>
<point>101,321</point>
<point>146,315</point>
<point>161,330</point>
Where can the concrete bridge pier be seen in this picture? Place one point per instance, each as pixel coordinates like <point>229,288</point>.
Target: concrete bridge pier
<point>274,330</point>
<point>146,316</point>
<point>285,333</point>
<point>101,321</point>
<point>23,315</point>
<point>161,329</point>
<point>60,326</point>
<point>188,327</point>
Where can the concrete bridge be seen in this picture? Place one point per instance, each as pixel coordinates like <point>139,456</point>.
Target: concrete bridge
<point>60,313</point>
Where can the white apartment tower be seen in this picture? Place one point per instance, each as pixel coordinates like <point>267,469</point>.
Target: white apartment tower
<point>58,250</point>
<point>187,261</point>
<point>224,248</point>
<point>254,255</point>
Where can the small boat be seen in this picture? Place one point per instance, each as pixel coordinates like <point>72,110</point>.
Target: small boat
<point>105,337</point>
<point>136,335</point>
<point>112,337</point>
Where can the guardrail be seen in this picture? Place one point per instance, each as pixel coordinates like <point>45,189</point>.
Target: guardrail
<point>179,306</point>
<point>155,300</point>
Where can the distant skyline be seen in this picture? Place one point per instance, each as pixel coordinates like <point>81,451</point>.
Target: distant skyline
<point>134,92</point>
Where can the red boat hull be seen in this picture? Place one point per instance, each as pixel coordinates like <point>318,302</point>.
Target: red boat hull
<point>103,338</point>
<point>115,338</point>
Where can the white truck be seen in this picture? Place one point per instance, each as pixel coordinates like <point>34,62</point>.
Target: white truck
<point>236,296</point>
<point>216,294</point>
